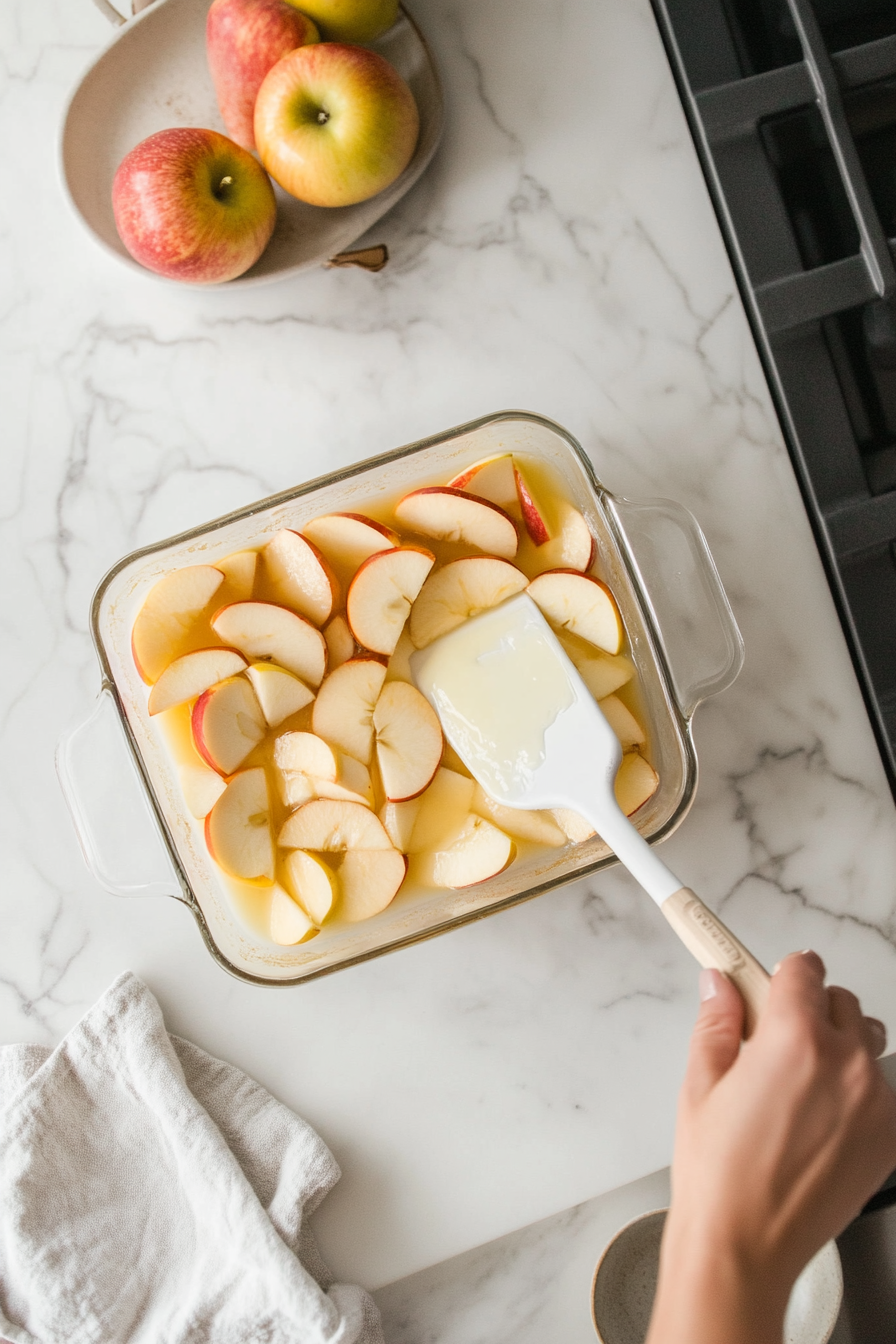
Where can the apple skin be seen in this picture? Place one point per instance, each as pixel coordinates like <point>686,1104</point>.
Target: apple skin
<point>178,217</point>
<point>335,124</point>
<point>351,20</point>
<point>244,39</point>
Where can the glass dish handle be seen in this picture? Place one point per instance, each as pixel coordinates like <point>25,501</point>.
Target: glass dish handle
<point>680,585</point>
<point>113,819</point>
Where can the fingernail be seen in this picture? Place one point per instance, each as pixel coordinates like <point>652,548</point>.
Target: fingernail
<point>708,985</point>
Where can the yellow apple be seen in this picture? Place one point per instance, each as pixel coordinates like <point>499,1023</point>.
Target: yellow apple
<point>351,20</point>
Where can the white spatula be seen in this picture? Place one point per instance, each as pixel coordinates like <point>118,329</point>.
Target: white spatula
<point>522,720</point>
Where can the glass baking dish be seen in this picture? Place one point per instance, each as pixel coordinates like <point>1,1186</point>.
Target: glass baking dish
<point>121,782</point>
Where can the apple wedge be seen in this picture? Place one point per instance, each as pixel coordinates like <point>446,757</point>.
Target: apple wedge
<point>574,827</point>
<point>635,783</point>
<point>238,828</point>
<point>188,676</point>
<point>623,722</point>
<point>330,772</point>
<point>539,827</point>
<point>340,644</point>
<point>295,789</point>
<point>343,710</point>
<point>381,594</point>
<point>368,881</point>
<point>444,808</point>
<point>491,478</point>
<point>227,724</point>
<point>311,883</point>
<point>534,517</point>
<point>301,576</point>
<point>280,693</point>
<point>474,853</point>
<point>239,576</point>
<point>202,787</point>
<point>168,615</point>
<point>348,539</point>
<point>454,515</point>
<point>461,589</point>
<point>330,827</point>
<point>571,545</point>
<point>289,922</point>
<point>408,741</point>
<point>266,630</point>
<point>399,668</point>
<point>399,820</point>
<point>602,673</point>
<point>580,604</point>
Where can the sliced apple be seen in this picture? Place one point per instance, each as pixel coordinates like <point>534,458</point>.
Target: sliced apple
<point>168,615</point>
<point>602,673</point>
<point>280,693</point>
<point>289,922</point>
<point>331,826</point>
<point>454,515</point>
<point>239,574</point>
<point>444,808</point>
<point>190,675</point>
<point>368,881</point>
<point>571,545</point>
<point>399,819</point>
<point>635,783</point>
<point>301,576</point>
<point>461,589</point>
<point>266,630</point>
<point>330,772</point>
<point>295,789</point>
<point>352,783</point>
<point>623,722</point>
<point>348,539</point>
<point>408,740</point>
<point>312,883</point>
<point>573,826</point>
<point>539,827</point>
<point>238,828</point>
<point>476,852</point>
<point>399,668</point>
<point>227,723</point>
<point>306,754</point>
<point>340,644</point>
<point>491,478</point>
<point>580,604</point>
<point>201,787</point>
<point>533,515</point>
<point>343,710</point>
<point>381,593</point>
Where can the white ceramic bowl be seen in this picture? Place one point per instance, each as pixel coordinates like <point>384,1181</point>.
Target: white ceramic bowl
<point>154,74</point>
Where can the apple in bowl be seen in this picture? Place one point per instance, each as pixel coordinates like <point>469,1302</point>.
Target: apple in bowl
<point>335,124</point>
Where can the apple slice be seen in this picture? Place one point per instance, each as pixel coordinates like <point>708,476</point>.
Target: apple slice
<point>408,741</point>
<point>369,880</point>
<point>295,788</point>
<point>227,723</point>
<point>348,539</point>
<point>331,826</point>
<point>399,820</point>
<point>602,673</point>
<point>266,630</point>
<point>343,710</point>
<point>623,722</point>
<point>534,517</point>
<point>280,693</point>
<point>476,852</point>
<point>571,545</point>
<point>454,515</point>
<point>311,883</point>
<point>491,478</point>
<point>443,810</point>
<point>331,773</point>
<point>340,644</point>
<point>301,575</point>
<point>399,668</point>
<point>539,827</point>
<point>581,604</point>
<point>635,783</point>
<point>381,593</point>
<point>239,575</point>
<point>574,827</point>
<point>289,923</point>
<point>201,788</point>
<point>461,589</point>
<point>192,674</point>
<point>238,828</point>
<point>167,616</point>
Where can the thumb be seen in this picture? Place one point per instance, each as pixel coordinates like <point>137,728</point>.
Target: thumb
<point>715,1041</point>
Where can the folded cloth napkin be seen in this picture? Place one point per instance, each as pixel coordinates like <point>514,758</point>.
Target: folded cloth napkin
<point>152,1194</point>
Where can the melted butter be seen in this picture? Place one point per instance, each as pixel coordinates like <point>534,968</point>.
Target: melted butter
<point>497,684</point>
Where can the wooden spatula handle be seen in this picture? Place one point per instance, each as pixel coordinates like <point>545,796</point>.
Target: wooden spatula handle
<point>716,947</point>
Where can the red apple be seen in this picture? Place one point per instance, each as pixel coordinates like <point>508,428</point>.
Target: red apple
<point>191,205</point>
<point>244,38</point>
<point>335,124</point>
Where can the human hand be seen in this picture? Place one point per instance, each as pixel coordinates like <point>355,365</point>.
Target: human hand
<point>779,1144</point>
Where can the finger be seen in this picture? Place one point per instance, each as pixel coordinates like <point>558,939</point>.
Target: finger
<point>716,1038</point>
<point>875,1036</point>
<point>798,987</point>
<point>845,1012</point>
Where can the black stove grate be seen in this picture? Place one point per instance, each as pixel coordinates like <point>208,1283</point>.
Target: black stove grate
<point>792,105</point>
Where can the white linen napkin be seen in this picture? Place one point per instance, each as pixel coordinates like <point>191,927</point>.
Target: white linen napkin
<point>150,1194</point>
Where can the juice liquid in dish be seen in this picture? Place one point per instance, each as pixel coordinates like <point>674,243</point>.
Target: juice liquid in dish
<point>252,898</point>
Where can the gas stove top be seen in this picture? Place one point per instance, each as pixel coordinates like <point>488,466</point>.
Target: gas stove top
<point>792,105</point>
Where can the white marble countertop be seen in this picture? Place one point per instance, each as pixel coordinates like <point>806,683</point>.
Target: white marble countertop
<point>560,256</point>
